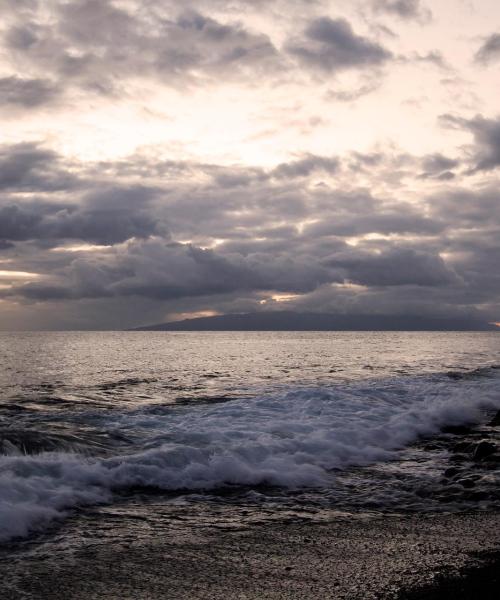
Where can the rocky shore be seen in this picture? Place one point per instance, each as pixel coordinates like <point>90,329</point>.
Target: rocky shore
<point>230,553</point>
<point>473,474</point>
<point>148,547</point>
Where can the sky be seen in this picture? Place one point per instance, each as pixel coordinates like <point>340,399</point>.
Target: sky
<point>162,160</point>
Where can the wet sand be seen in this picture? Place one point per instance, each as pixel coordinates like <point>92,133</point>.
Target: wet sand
<point>225,552</point>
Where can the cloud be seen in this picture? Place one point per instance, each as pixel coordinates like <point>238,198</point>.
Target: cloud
<point>489,51</point>
<point>350,95</point>
<point>26,93</point>
<point>104,48</point>
<point>396,267</point>
<point>434,57</point>
<point>485,154</point>
<point>336,213</point>
<point>96,45</point>
<point>331,45</point>
<point>404,9</point>
<point>44,200</point>
<point>28,166</point>
<point>468,209</point>
<point>53,224</point>
<point>167,271</point>
<point>438,166</point>
<point>302,227</point>
<point>305,166</point>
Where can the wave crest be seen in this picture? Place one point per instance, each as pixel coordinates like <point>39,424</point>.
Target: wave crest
<point>293,440</point>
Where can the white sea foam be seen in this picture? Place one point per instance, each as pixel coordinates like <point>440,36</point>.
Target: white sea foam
<point>292,440</point>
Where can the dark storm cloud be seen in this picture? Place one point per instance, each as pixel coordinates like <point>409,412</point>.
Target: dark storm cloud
<point>31,167</point>
<point>443,302</point>
<point>399,220</point>
<point>234,202</point>
<point>438,166</point>
<point>53,224</point>
<point>490,50</point>
<point>43,200</point>
<point>276,231</point>
<point>486,132</point>
<point>394,267</point>
<point>169,272</point>
<point>464,208</point>
<point>331,45</point>
<point>26,93</point>
<point>487,138</point>
<point>305,166</point>
<point>166,271</point>
<point>405,9</point>
<point>21,37</point>
<point>478,265</point>
<point>273,258</point>
<point>96,45</point>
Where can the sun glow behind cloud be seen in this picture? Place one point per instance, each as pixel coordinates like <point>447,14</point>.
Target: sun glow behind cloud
<point>210,157</point>
<point>18,275</point>
<point>81,248</point>
<point>228,122</point>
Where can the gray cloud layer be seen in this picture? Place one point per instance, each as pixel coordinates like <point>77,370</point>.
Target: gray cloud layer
<point>374,232</point>
<point>26,93</point>
<point>485,154</point>
<point>332,45</point>
<point>96,45</point>
<point>289,230</point>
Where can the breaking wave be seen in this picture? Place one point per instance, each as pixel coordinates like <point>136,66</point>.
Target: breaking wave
<point>295,439</point>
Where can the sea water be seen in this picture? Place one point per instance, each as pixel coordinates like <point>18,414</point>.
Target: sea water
<point>350,420</point>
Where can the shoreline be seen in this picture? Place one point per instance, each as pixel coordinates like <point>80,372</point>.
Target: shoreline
<point>480,582</point>
<point>159,550</point>
<point>149,545</point>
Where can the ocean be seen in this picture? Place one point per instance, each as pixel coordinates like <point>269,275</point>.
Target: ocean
<point>351,421</point>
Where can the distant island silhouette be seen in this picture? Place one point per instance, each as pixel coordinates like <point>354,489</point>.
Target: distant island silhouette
<point>293,321</point>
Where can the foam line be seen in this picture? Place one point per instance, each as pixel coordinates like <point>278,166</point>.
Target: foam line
<point>293,440</point>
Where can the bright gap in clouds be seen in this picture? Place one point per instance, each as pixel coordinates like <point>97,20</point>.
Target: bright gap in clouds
<point>18,275</point>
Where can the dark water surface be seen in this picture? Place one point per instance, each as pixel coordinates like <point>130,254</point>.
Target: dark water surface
<point>357,421</point>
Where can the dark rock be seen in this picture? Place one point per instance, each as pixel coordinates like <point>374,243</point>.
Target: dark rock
<point>445,498</point>
<point>483,450</point>
<point>462,447</point>
<point>495,422</point>
<point>477,496</point>
<point>466,483</point>
<point>456,429</point>
<point>492,460</point>
<point>455,375</point>
<point>458,458</point>
<point>489,464</point>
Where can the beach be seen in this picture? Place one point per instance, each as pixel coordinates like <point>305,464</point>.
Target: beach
<point>164,552</point>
